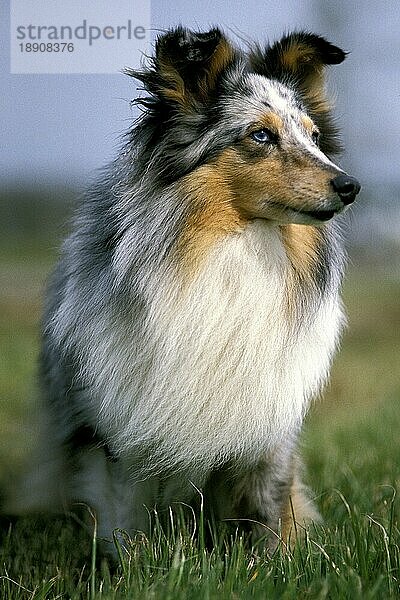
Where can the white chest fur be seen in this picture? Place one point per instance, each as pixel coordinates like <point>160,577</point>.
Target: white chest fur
<point>218,371</point>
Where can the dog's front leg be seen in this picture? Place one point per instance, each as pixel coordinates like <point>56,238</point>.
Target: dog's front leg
<point>268,498</point>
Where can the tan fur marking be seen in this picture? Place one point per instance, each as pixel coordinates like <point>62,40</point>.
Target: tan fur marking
<point>272,121</point>
<point>220,59</point>
<point>299,510</point>
<point>313,88</point>
<point>176,86</point>
<point>307,123</point>
<point>289,180</point>
<point>301,244</point>
<point>295,54</point>
<point>213,215</point>
<point>177,91</point>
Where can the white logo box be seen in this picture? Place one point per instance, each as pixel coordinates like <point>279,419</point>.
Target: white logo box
<point>78,36</point>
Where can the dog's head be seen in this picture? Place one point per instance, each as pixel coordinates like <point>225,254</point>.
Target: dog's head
<point>253,129</point>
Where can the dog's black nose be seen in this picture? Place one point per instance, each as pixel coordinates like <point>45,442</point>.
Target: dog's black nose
<point>347,187</point>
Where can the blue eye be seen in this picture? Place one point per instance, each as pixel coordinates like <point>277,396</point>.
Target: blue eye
<point>263,136</point>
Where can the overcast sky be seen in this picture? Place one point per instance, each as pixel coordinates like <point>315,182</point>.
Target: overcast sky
<point>63,127</point>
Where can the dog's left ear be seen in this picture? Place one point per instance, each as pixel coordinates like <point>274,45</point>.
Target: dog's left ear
<point>299,58</point>
<point>186,66</point>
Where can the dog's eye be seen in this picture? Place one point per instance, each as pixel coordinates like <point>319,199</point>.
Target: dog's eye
<point>315,137</point>
<point>263,136</point>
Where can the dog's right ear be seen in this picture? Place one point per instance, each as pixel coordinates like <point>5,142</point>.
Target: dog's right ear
<point>186,66</point>
<point>300,60</point>
<point>300,57</point>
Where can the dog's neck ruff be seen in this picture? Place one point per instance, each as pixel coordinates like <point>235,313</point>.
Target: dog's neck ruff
<point>218,370</point>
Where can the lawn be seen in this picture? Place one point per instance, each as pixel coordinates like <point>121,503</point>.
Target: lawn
<point>350,443</point>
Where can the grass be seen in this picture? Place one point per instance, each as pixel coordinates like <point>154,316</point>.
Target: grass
<point>351,447</point>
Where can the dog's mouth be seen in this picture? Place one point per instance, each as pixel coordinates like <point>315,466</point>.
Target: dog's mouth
<point>295,215</point>
<point>319,215</point>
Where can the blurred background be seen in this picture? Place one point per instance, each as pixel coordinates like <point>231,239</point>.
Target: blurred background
<point>58,130</point>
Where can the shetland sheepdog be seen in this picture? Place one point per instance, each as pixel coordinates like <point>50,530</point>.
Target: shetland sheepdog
<point>195,308</point>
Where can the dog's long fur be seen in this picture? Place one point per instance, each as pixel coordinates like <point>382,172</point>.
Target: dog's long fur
<point>195,309</point>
